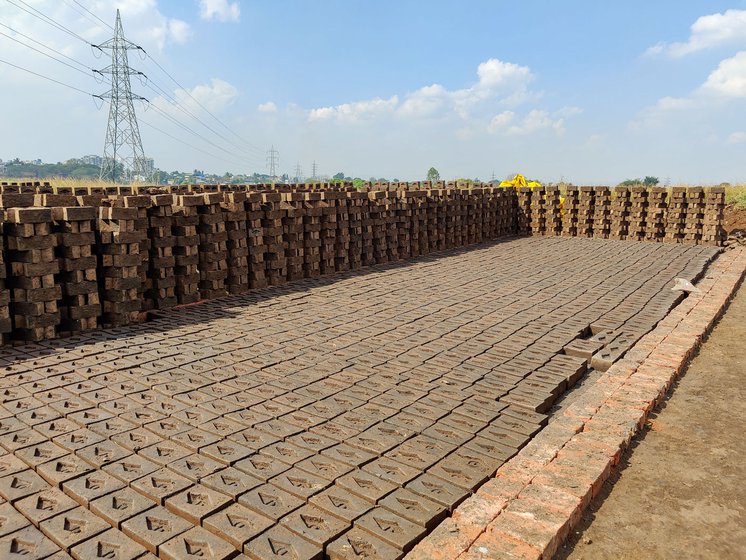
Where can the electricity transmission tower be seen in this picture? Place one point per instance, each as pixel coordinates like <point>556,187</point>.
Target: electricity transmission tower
<point>314,169</point>
<point>123,153</point>
<point>298,173</point>
<point>273,161</point>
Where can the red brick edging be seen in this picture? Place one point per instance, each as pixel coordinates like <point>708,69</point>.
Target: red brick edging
<point>535,499</point>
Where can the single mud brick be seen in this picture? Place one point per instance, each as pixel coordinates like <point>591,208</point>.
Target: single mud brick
<point>280,543</point>
<point>154,527</point>
<point>58,471</point>
<point>415,508</point>
<point>458,474</point>
<point>196,503</point>
<point>26,544</point>
<point>45,505</point>
<point>504,436</point>
<point>324,467</point>
<point>37,454</point>
<point>231,482</point>
<point>93,485</point>
<point>516,425</point>
<point>10,464</point>
<point>393,471</point>
<point>497,451</point>
<point>340,503</point>
<point>448,433</point>
<point>253,438</point>
<point>73,441</point>
<point>103,453</point>
<point>287,452</point>
<point>10,520</point>
<point>526,415</point>
<point>349,455</point>
<point>20,439</point>
<point>315,525</point>
<point>366,486</point>
<point>120,506</point>
<point>583,348</point>
<point>226,452</point>
<point>195,467</point>
<point>196,543</point>
<point>195,439</point>
<point>130,468</point>
<point>237,524</point>
<point>300,483</point>
<point>21,484</point>
<point>164,452</point>
<point>111,544</point>
<point>72,527</point>
<point>312,442</point>
<point>438,490</point>
<point>270,501</point>
<point>391,528</point>
<point>161,484</point>
<point>261,466</point>
<point>357,544</point>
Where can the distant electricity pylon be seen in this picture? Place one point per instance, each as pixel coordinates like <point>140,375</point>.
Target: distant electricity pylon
<point>123,153</point>
<point>273,161</point>
<point>298,173</point>
<point>314,169</point>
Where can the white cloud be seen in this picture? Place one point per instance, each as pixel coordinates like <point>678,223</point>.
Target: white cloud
<point>179,31</point>
<point>500,122</point>
<point>710,31</point>
<point>355,112</point>
<point>215,96</point>
<point>268,107</point>
<point>736,138</point>
<point>498,84</point>
<point>537,120</point>
<point>729,78</point>
<point>220,10</point>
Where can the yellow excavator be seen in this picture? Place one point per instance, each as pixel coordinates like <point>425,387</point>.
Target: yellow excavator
<point>519,181</point>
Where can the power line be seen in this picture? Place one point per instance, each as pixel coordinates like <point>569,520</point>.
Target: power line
<point>90,12</point>
<point>63,55</point>
<point>48,78</point>
<point>45,54</point>
<point>48,20</point>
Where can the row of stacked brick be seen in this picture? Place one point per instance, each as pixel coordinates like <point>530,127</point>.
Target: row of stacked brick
<point>681,215</point>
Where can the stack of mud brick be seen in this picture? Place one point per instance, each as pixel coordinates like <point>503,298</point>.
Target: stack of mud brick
<point>312,213</point>
<point>538,211</point>
<point>185,220</point>
<point>586,211</point>
<point>275,261</point>
<point>713,232</point>
<point>119,261</point>
<point>695,214</point>
<point>464,204</point>
<point>256,243</point>
<point>328,231</point>
<point>508,210</point>
<point>571,210</point>
<point>233,208</point>
<point>554,213</point>
<point>436,218</point>
<point>523,211</point>
<point>392,226</point>
<point>356,209</point>
<point>342,235</point>
<point>602,212</point>
<point>213,247</point>
<point>676,216</point>
<point>656,221</point>
<point>377,225</point>
<point>404,224</point>
<point>6,325</point>
<point>421,215</point>
<point>142,223</point>
<point>476,215</point>
<point>621,207</point>
<point>33,266</point>
<point>638,213</point>
<point>161,277</point>
<point>292,233</point>
<point>80,304</point>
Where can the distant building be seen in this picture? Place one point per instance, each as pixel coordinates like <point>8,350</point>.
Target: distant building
<point>92,160</point>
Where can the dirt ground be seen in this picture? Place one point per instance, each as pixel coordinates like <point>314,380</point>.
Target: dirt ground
<point>735,218</point>
<point>680,491</point>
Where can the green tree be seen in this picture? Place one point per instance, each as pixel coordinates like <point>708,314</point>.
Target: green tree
<point>433,175</point>
<point>649,181</point>
<point>339,175</point>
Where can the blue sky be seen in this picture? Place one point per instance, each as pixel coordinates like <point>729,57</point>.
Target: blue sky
<point>581,90</point>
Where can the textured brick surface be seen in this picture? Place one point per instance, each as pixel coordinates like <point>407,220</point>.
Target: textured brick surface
<point>348,415</point>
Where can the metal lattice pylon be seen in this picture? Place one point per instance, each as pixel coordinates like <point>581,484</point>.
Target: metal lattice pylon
<point>123,154</point>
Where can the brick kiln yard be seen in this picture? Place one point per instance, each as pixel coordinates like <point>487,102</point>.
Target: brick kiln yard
<point>345,416</point>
